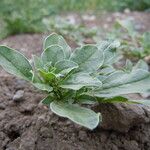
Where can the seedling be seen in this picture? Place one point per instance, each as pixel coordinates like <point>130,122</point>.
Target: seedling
<point>134,45</point>
<point>74,32</point>
<point>84,76</point>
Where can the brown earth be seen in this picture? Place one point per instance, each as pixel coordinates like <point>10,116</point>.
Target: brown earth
<point>26,124</point>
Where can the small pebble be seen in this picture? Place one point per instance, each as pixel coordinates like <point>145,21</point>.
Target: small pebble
<point>18,96</point>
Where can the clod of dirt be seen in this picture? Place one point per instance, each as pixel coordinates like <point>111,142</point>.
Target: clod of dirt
<point>122,117</point>
<point>82,135</point>
<point>18,96</point>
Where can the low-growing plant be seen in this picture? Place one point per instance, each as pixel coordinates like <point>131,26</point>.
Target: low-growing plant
<point>134,45</point>
<point>84,76</point>
<point>23,17</point>
<point>70,30</point>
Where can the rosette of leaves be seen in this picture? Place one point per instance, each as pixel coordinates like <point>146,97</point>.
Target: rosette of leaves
<point>84,76</point>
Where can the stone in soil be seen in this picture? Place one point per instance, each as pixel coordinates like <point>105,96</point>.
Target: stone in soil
<point>18,96</point>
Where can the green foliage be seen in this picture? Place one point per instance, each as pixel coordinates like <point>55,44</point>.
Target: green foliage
<point>27,17</point>
<point>85,76</point>
<point>74,32</point>
<point>24,16</point>
<point>134,45</point>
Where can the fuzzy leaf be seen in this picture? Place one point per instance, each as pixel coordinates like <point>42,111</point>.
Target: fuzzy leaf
<point>38,64</point>
<point>15,63</point>
<point>127,25</point>
<point>79,80</point>
<point>77,114</point>
<point>65,66</point>
<point>119,83</point>
<point>142,101</point>
<point>129,65</point>
<point>52,54</point>
<point>146,41</point>
<point>141,65</point>
<point>121,77</point>
<point>109,50</point>
<point>55,39</point>
<point>88,57</point>
<point>43,87</point>
<point>86,99</point>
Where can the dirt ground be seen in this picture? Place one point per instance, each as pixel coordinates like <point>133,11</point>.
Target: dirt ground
<point>26,124</point>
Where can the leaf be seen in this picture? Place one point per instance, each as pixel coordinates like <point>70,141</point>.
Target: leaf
<point>129,65</point>
<point>43,87</point>
<point>142,101</point>
<point>86,99</point>
<point>136,82</point>
<point>121,77</point>
<point>65,66</point>
<point>47,100</point>
<point>48,67</point>
<point>128,26</point>
<point>88,57</point>
<point>79,80</point>
<point>38,64</point>
<point>146,40</point>
<point>117,99</point>
<point>52,54</point>
<point>77,114</point>
<point>107,70</point>
<point>35,77</point>
<point>47,76</point>
<point>109,51</point>
<point>141,65</point>
<point>55,39</point>
<point>15,63</point>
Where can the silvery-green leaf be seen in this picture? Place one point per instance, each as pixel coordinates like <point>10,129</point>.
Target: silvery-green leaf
<point>141,65</point>
<point>128,65</point>
<point>77,114</point>
<point>48,67</point>
<point>106,70</point>
<point>137,82</point>
<point>47,100</point>
<point>65,66</point>
<point>38,64</point>
<point>86,99</point>
<point>109,51</point>
<point>128,26</point>
<point>52,54</point>
<point>43,87</point>
<point>88,57</point>
<point>146,41</point>
<point>35,77</point>
<point>142,101</point>
<point>79,80</point>
<point>121,77</point>
<point>15,63</point>
<point>55,39</point>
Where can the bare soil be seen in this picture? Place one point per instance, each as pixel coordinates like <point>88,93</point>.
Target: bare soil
<point>28,125</point>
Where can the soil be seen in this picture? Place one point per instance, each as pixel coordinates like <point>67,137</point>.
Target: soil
<point>26,124</point>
